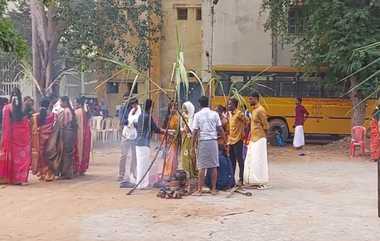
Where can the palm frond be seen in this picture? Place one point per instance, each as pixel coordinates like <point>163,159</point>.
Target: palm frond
<point>360,70</point>
<point>28,73</point>
<point>67,72</point>
<point>364,100</point>
<point>199,81</point>
<point>213,85</point>
<point>180,71</point>
<point>364,81</point>
<point>250,82</point>
<point>236,95</point>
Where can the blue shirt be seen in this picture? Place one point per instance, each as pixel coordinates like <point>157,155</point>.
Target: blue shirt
<point>145,128</point>
<point>124,113</point>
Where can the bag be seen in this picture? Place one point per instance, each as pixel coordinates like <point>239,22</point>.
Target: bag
<point>129,132</point>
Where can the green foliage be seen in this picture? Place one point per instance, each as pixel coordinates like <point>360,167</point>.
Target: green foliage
<point>10,40</point>
<point>78,43</point>
<point>127,28</point>
<point>90,28</point>
<point>332,30</point>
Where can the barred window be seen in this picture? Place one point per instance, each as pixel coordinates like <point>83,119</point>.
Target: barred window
<point>198,14</point>
<point>182,13</point>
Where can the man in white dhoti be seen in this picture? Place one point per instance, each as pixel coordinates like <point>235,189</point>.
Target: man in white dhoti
<point>301,116</point>
<point>145,128</point>
<point>128,147</point>
<point>256,161</point>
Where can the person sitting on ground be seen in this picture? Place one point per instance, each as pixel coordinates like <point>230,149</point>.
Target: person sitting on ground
<point>226,177</point>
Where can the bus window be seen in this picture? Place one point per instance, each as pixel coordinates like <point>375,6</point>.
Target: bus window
<point>309,89</point>
<point>267,88</point>
<point>288,89</point>
<point>334,91</point>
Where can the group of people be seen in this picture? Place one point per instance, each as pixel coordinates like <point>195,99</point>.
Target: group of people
<point>53,142</point>
<point>212,141</point>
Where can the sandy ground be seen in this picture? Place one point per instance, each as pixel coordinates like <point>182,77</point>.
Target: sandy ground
<point>323,196</point>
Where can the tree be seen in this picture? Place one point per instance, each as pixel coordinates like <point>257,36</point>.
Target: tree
<point>134,25</point>
<point>328,33</point>
<point>53,24</point>
<point>71,31</point>
<point>10,40</point>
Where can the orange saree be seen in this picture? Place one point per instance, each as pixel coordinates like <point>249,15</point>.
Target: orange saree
<point>171,160</point>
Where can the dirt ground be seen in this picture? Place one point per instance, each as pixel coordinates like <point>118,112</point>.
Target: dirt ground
<point>323,196</point>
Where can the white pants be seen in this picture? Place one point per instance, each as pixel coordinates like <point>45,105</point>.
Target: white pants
<point>143,162</point>
<point>256,163</point>
<point>299,137</point>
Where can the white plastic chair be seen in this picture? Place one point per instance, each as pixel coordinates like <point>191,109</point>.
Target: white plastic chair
<point>107,129</point>
<point>96,128</point>
<point>115,129</point>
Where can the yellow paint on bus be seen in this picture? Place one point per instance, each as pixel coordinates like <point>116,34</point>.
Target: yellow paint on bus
<point>331,116</point>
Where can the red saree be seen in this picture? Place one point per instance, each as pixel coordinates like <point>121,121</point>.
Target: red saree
<point>83,146</point>
<point>40,138</point>
<point>15,158</point>
<point>375,140</point>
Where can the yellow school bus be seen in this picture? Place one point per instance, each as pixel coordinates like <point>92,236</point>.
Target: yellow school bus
<point>330,111</point>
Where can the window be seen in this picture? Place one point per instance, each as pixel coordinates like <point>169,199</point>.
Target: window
<point>198,14</point>
<point>309,89</point>
<point>287,89</point>
<point>112,88</point>
<point>295,21</point>
<point>182,13</point>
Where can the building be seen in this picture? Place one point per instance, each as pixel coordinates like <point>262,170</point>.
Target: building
<point>233,34</point>
<point>226,33</point>
<point>182,15</point>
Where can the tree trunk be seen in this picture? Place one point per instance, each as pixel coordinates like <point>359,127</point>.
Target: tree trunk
<point>45,38</point>
<point>359,107</point>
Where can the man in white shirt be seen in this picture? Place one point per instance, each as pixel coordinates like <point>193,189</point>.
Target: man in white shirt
<point>128,146</point>
<point>206,126</point>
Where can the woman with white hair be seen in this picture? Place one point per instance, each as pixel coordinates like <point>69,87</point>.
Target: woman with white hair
<point>187,150</point>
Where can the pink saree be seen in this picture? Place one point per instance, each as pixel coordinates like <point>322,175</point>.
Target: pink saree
<point>15,156</point>
<point>83,146</point>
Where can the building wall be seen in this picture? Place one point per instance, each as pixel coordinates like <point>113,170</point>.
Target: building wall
<point>190,33</point>
<point>239,37</point>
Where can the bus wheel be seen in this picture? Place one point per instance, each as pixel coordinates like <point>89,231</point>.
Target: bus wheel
<point>278,127</point>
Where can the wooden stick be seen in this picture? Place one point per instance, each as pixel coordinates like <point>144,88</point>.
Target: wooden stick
<point>151,164</point>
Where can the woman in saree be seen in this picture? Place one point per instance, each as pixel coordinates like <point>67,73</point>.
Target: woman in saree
<point>60,148</point>
<point>172,141</point>
<point>375,134</point>
<point>187,150</point>
<point>15,155</point>
<point>83,141</point>
<point>42,129</point>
